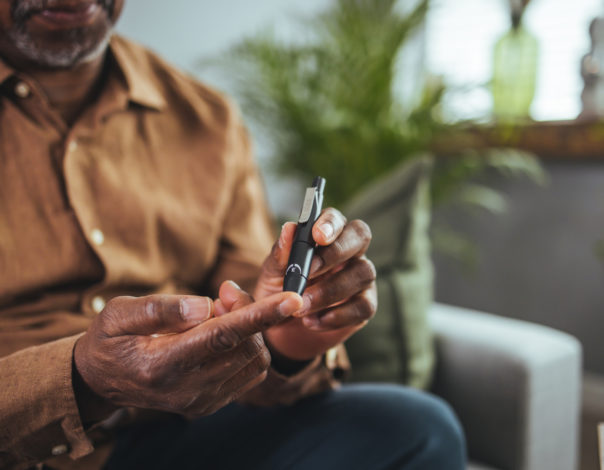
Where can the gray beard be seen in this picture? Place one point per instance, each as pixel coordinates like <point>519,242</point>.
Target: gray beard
<point>77,53</point>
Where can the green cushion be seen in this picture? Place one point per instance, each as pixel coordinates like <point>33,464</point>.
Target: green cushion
<point>396,345</point>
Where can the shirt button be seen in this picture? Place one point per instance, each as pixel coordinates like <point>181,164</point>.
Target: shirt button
<point>97,237</point>
<point>98,304</point>
<point>22,90</point>
<point>59,450</point>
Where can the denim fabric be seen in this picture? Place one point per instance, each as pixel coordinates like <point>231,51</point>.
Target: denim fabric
<point>361,426</point>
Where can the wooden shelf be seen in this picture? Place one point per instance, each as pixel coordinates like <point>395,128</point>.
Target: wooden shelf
<point>567,140</point>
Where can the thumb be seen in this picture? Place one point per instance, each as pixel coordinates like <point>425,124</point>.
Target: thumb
<point>231,297</point>
<point>276,262</point>
<point>155,314</point>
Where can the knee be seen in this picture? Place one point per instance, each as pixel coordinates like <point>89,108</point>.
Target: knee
<point>432,432</point>
<point>442,433</point>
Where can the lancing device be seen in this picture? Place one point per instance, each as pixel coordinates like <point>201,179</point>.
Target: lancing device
<point>303,246</point>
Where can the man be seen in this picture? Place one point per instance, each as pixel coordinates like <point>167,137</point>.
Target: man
<point>127,197</point>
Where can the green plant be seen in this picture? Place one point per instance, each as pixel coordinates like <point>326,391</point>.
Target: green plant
<point>327,104</point>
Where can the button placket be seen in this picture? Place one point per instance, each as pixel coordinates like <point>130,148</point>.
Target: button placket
<point>96,235</point>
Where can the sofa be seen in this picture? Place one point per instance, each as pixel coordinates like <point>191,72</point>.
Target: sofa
<point>514,385</point>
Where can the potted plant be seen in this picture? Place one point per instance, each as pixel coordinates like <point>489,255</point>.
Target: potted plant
<point>327,104</point>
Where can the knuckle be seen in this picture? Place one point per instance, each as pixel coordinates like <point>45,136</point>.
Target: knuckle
<point>258,365</point>
<point>264,359</point>
<point>113,307</point>
<point>337,250</point>
<point>368,272</point>
<point>261,363</point>
<point>150,307</point>
<point>159,305</point>
<point>262,376</point>
<point>330,292</point>
<point>149,376</point>
<point>365,307</point>
<point>113,304</point>
<point>362,230</point>
<point>275,250</point>
<point>221,338</point>
<point>252,347</point>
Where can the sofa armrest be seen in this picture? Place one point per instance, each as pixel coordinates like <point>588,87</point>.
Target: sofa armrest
<point>514,385</point>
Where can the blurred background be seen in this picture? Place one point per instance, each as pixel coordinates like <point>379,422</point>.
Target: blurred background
<point>508,93</point>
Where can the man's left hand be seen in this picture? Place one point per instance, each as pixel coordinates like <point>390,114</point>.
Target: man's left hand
<point>340,296</point>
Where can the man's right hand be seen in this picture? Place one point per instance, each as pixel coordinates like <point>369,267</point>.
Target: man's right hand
<point>164,352</point>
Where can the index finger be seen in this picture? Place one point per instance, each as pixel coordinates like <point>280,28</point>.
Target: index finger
<point>221,334</point>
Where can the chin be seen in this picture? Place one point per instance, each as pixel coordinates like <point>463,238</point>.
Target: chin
<point>65,50</point>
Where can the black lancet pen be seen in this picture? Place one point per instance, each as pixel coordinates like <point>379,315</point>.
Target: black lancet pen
<point>303,246</point>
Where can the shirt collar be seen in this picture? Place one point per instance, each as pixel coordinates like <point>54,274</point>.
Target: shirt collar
<point>5,71</point>
<point>142,89</point>
<point>140,78</point>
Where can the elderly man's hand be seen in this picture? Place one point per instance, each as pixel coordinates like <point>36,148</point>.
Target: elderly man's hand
<point>167,352</point>
<point>341,295</point>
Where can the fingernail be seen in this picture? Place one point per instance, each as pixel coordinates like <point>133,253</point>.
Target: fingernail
<point>290,305</point>
<point>327,230</point>
<point>311,322</point>
<point>316,264</point>
<point>234,284</point>
<point>196,308</point>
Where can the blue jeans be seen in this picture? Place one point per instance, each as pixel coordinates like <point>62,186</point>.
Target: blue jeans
<point>361,426</point>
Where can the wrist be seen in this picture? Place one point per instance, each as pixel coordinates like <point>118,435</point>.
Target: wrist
<point>284,364</point>
<point>91,406</point>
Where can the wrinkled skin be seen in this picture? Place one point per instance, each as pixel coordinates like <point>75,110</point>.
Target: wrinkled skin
<point>165,352</point>
<point>341,295</point>
<point>202,362</point>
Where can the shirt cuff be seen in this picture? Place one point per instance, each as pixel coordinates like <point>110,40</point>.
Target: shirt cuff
<point>323,373</point>
<point>38,409</point>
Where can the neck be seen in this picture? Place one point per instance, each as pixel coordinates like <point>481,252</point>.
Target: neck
<point>69,91</point>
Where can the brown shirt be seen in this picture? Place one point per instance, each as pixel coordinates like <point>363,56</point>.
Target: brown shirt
<point>153,189</point>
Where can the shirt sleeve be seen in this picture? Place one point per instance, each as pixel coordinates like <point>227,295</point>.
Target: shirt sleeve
<point>247,232</point>
<point>39,416</point>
